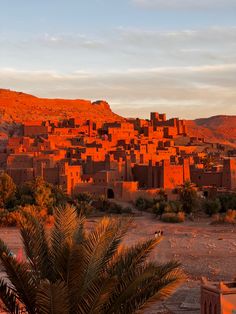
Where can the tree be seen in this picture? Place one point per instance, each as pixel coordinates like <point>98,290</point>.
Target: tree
<point>25,194</point>
<point>160,203</point>
<point>84,203</point>
<point>208,162</point>
<point>77,271</point>
<point>141,204</point>
<point>7,189</point>
<point>60,198</point>
<point>188,197</point>
<point>42,193</point>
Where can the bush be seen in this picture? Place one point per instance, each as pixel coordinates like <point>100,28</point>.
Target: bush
<point>212,207</point>
<point>127,210</point>
<point>142,203</point>
<point>101,203</point>
<point>9,219</point>
<point>13,218</point>
<point>227,201</point>
<point>159,208</point>
<point>115,209</point>
<point>228,218</point>
<point>175,206</point>
<point>173,218</point>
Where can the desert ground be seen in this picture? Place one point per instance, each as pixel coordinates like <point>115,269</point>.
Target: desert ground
<point>203,249</point>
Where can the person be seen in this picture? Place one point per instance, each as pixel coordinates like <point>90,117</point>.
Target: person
<point>19,255</point>
<point>12,254</point>
<point>162,232</point>
<point>156,234</point>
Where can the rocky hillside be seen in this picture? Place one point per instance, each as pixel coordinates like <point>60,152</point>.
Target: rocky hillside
<point>221,129</point>
<point>16,106</point>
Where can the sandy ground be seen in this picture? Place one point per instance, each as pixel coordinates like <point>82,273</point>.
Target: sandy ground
<point>203,250</point>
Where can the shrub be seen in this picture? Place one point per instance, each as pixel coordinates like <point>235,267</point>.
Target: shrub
<point>101,203</point>
<point>159,208</point>
<point>173,218</point>
<point>9,219</point>
<point>12,219</point>
<point>227,201</point>
<point>175,206</point>
<point>142,203</point>
<point>127,210</point>
<point>228,218</point>
<point>115,208</point>
<point>212,207</point>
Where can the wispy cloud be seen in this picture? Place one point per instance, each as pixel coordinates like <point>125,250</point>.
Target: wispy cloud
<point>185,4</point>
<point>186,70</point>
<point>182,91</point>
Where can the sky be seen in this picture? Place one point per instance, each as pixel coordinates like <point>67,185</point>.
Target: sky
<point>173,56</point>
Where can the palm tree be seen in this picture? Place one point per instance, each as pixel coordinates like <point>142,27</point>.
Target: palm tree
<point>71,270</point>
<point>188,196</point>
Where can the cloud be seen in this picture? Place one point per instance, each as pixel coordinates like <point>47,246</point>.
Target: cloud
<point>186,92</point>
<point>180,70</point>
<point>185,4</point>
<point>122,47</point>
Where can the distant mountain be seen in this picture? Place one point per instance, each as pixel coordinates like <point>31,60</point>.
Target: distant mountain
<point>221,129</point>
<point>17,106</point>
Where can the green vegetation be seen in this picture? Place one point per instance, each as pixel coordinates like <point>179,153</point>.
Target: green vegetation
<point>7,190</point>
<point>84,204</point>
<point>74,270</point>
<point>188,197</point>
<point>227,201</point>
<point>212,207</point>
<point>173,211</point>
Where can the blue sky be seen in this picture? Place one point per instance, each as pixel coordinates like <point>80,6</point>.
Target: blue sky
<point>174,56</point>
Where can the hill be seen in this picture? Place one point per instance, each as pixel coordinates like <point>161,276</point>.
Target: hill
<point>17,106</point>
<point>220,129</point>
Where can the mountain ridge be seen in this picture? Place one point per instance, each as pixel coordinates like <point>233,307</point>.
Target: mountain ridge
<point>19,107</point>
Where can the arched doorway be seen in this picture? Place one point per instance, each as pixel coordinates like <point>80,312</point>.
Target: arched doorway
<point>110,194</point>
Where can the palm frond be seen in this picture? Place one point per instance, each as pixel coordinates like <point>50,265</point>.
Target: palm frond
<point>52,298</point>
<point>144,285</point>
<point>133,256</point>
<point>8,298</point>
<point>20,277</point>
<point>62,236</point>
<point>89,261</point>
<point>36,245</point>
